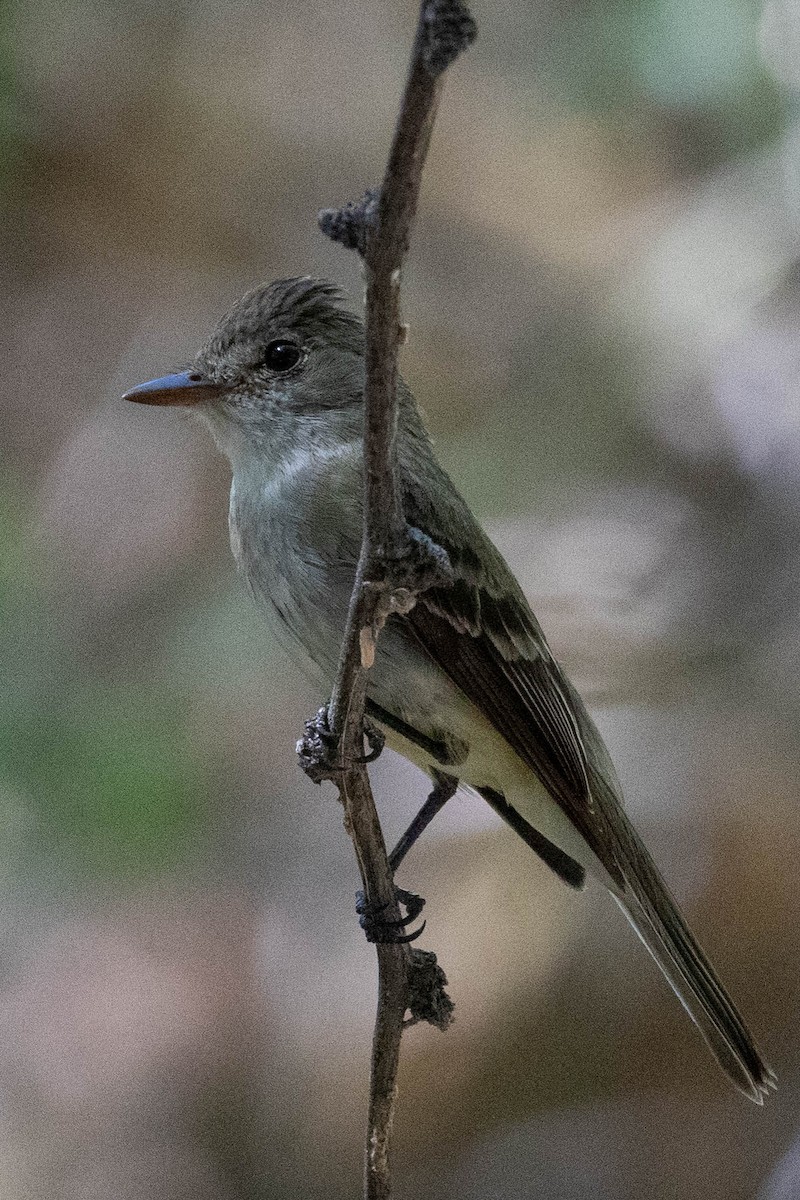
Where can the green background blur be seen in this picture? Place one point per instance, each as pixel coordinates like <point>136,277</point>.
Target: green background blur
<point>603,295</point>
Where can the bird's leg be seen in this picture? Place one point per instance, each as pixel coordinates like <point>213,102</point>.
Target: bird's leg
<point>444,787</point>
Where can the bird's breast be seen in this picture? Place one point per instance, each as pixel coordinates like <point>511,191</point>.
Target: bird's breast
<point>301,588</point>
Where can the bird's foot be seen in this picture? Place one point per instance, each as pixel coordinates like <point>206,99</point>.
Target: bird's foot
<point>379,930</point>
<point>317,748</point>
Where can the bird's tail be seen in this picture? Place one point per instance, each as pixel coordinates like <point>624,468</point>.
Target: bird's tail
<point>655,916</point>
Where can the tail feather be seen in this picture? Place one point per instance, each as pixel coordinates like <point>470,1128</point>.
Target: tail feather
<point>655,916</point>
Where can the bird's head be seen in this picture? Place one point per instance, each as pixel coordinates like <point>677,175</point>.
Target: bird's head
<point>286,357</point>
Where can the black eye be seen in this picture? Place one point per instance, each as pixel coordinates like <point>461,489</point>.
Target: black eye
<point>282,356</point>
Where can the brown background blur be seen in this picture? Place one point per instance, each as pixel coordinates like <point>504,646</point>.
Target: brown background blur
<point>603,297</point>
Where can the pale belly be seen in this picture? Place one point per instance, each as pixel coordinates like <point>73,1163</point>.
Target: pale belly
<point>423,696</point>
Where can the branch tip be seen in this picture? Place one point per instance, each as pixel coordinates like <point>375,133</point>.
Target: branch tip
<point>449,29</point>
<point>350,225</point>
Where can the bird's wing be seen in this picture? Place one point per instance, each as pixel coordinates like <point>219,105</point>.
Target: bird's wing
<point>483,635</point>
<point>525,699</point>
<point>493,652</point>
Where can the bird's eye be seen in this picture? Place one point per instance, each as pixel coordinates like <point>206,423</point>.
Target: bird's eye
<point>282,356</point>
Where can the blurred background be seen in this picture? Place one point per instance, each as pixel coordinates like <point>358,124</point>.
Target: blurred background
<point>604,298</point>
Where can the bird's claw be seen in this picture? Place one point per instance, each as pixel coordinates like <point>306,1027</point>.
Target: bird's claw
<point>390,932</point>
<point>317,749</point>
<point>376,740</point>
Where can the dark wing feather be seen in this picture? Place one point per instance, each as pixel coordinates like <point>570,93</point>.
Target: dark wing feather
<point>524,698</point>
<point>483,635</point>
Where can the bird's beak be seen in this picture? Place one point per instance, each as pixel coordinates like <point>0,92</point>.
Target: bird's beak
<point>188,387</point>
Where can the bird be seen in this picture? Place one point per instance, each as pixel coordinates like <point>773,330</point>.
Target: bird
<point>465,684</point>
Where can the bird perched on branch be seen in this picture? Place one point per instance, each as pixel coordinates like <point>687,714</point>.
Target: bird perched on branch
<point>465,684</point>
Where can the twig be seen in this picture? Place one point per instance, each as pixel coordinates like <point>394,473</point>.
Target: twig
<point>395,565</point>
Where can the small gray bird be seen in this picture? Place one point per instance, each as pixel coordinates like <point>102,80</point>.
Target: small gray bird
<point>465,683</point>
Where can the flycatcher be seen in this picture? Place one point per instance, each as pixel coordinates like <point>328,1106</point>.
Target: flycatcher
<point>465,683</point>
